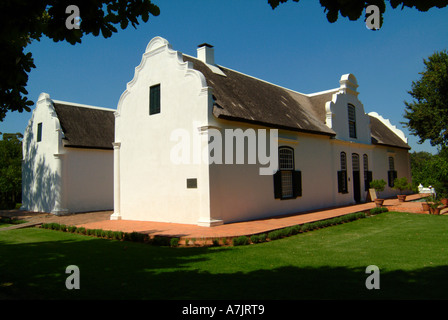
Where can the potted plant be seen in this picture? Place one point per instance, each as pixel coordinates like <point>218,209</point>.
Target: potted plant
<point>425,204</point>
<point>401,184</point>
<point>444,198</point>
<point>378,185</point>
<point>435,206</point>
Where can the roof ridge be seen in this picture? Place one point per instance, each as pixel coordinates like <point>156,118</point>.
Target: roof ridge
<point>249,76</point>
<point>74,104</point>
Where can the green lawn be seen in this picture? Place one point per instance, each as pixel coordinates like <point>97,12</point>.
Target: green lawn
<point>411,251</point>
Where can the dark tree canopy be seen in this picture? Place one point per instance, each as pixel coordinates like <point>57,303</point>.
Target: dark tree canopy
<point>22,21</point>
<point>427,114</point>
<point>10,169</point>
<point>353,9</point>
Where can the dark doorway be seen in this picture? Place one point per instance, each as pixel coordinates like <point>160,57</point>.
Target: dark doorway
<point>356,178</point>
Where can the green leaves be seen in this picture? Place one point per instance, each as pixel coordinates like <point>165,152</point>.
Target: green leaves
<point>353,9</point>
<point>27,20</point>
<point>427,114</point>
<point>10,169</point>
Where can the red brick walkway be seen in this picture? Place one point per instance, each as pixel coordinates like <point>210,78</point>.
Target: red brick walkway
<point>100,220</point>
<point>248,227</point>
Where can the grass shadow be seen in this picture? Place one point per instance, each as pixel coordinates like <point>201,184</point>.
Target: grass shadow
<point>115,270</point>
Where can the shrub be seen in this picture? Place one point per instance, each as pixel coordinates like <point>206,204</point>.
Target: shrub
<point>71,229</point>
<point>255,238</point>
<point>160,241</point>
<point>378,210</point>
<point>402,184</point>
<point>297,229</point>
<point>240,241</point>
<point>117,235</point>
<point>287,232</point>
<point>305,227</point>
<point>136,237</point>
<point>11,220</point>
<point>174,242</point>
<point>109,234</point>
<point>81,230</point>
<point>55,226</point>
<point>274,235</point>
<point>258,238</point>
<point>378,185</point>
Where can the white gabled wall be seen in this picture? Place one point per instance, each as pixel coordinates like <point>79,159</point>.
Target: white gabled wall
<point>149,186</point>
<point>337,112</point>
<point>42,163</point>
<point>61,180</point>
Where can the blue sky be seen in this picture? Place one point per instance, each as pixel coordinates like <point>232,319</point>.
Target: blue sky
<point>293,46</point>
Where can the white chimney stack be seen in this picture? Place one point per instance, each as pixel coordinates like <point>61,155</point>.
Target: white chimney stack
<point>206,53</point>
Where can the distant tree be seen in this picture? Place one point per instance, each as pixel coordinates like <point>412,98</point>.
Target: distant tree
<point>10,169</point>
<point>22,21</point>
<point>430,170</point>
<point>353,9</point>
<point>427,114</point>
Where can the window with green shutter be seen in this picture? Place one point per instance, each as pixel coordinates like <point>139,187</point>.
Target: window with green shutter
<point>154,99</point>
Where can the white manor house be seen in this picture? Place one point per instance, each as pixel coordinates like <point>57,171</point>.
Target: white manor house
<point>194,142</point>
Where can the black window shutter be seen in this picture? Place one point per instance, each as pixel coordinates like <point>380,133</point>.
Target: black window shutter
<point>297,184</point>
<point>342,181</point>
<point>278,185</point>
<point>368,179</point>
<point>391,176</point>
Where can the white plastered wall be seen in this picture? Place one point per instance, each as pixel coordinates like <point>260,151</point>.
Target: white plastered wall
<point>42,162</point>
<point>148,184</point>
<point>89,179</point>
<point>238,192</point>
<point>381,156</point>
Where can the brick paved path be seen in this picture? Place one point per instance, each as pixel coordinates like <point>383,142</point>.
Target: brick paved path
<point>100,220</point>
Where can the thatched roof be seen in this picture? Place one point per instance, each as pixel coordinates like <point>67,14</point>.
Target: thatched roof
<point>86,127</point>
<point>239,97</point>
<point>243,98</point>
<point>382,135</point>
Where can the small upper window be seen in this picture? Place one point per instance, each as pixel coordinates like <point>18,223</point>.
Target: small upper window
<point>39,132</point>
<point>154,99</point>
<point>343,161</point>
<point>391,164</point>
<point>352,121</point>
<point>366,162</point>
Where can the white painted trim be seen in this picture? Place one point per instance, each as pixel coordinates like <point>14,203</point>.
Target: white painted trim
<point>323,92</point>
<point>388,124</point>
<point>81,105</point>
